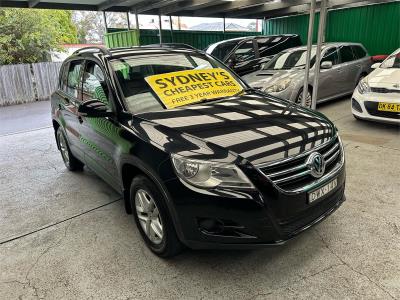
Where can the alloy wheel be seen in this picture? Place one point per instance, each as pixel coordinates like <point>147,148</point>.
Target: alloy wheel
<point>63,148</point>
<point>149,216</point>
<point>308,99</point>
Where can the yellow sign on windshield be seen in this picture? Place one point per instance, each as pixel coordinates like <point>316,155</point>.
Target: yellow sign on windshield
<point>191,86</point>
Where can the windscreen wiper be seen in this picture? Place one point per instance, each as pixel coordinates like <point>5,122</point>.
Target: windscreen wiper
<point>247,91</point>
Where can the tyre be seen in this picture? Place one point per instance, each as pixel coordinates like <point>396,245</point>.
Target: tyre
<point>70,161</point>
<point>152,218</point>
<point>299,98</point>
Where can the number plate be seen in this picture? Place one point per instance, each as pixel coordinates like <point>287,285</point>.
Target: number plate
<point>322,191</point>
<point>394,107</point>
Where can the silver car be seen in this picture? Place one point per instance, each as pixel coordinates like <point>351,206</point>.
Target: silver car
<point>343,65</point>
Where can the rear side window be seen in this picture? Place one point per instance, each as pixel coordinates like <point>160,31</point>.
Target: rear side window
<point>359,52</point>
<point>331,55</point>
<point>346,54</point>
<point>245,51</point>
<point>74,79</point>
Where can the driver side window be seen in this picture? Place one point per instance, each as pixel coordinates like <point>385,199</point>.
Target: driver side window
<point>94,84</point>
<point>331,55</point>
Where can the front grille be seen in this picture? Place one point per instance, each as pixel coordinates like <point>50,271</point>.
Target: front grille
<point>293,174</point>
<point>383,90</point>
<point>293,225</point>
<point>372,109</point>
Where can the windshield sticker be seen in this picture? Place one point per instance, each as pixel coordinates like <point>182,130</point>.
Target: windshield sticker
<point>187,87</point>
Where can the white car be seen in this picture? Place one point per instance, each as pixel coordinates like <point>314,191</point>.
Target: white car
<point>377,96</point>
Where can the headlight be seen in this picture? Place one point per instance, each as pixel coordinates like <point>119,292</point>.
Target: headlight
<point>363,86</point>
<point>206,174</point>
<point>279,86</point>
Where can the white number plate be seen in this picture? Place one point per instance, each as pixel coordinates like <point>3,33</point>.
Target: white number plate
<point>322,191</point>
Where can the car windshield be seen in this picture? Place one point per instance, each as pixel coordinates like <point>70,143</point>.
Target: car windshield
<point>290,59</point>
<point>222,50</point>
<point>393,61</point>
<point>132,71</point>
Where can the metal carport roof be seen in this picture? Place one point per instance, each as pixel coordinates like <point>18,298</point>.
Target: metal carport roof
<point>195,8</point>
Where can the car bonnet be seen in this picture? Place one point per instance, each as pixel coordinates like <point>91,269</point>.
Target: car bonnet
<point>257,128</point>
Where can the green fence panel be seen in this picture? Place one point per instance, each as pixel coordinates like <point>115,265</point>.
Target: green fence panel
<point>198,39</point>
<point>375,26</point>
<point>125,38</point>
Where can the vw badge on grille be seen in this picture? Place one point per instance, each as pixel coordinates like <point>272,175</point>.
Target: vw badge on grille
<point>316,164</point>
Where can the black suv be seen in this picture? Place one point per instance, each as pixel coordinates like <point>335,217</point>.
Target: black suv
<point>246,54</point>
<point>232,172</point>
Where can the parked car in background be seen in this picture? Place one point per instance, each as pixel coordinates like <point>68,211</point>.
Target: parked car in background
<point>377,96</point>
<point>343,65</point>
<point>379,58</point>
<point>246,54</point>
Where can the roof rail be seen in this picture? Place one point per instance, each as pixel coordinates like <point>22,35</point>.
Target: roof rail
<point>101,49</point>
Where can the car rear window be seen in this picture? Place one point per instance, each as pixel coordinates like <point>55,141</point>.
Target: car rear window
<point>359,52</point>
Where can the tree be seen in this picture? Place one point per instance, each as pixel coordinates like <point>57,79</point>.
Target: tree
<point>28,35</point>
<point>90,25</point>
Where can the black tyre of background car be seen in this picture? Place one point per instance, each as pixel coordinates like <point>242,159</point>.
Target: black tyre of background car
<point>72,164</point>
<point>301,93</point>
<point>170,244</point>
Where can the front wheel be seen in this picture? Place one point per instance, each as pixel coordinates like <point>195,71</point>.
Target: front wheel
<point>152,218</point>
<point>299,98</point>
<point>70,161</point>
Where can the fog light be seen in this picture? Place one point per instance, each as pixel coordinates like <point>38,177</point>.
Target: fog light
<point>355,105</point>
<point>212,226</point>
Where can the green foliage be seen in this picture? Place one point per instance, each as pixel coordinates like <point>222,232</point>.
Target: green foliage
<point>28,35</point>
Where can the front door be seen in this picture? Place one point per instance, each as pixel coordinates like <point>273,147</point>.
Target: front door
<point>330,79</point>
<point>99,136</point>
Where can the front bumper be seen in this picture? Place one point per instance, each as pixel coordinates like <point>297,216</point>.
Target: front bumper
<point>364,106</point>
<point>268,217</point>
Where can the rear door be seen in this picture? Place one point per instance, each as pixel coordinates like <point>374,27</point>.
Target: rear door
<point>363,61</point>
<point>71,97</point>
<point>350,68</point>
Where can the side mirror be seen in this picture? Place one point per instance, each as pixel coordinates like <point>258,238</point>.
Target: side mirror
<point>94,109</point>
<point>375,65</point>
<point>326,64</point>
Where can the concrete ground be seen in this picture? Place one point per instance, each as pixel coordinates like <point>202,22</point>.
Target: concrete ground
<point>65,235</point>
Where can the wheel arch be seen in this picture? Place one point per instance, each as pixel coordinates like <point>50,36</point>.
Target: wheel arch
<point>131,167</point>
